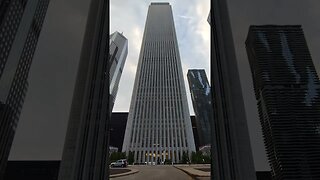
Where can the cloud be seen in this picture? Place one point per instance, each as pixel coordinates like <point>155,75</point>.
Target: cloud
<point>185,17</point>
<point>192,33</point>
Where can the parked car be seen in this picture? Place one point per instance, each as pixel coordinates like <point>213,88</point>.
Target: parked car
<point>120,163</point>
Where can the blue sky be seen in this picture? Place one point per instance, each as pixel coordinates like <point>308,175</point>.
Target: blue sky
<point>193,34</point>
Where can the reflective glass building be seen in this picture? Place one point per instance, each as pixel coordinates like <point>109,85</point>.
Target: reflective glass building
<point>287,90</point>
<point>118,52</point>
<point>159,126</point>
<point>201,100</point>
<point>20,26</point>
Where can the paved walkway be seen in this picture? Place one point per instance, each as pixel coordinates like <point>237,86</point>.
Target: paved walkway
<point>159,172</point>
<point>126,173</point>
<point>193,170</point>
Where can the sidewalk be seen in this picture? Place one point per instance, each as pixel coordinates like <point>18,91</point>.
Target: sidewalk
<point>132,171</point>
<point>193,171</point>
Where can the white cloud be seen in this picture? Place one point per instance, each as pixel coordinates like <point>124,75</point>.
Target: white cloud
<point>193,34</point>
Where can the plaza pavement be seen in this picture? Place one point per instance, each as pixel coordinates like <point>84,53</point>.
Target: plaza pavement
<point>167,172</point>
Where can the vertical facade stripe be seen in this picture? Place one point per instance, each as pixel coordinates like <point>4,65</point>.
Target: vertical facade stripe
<point>160,126</point>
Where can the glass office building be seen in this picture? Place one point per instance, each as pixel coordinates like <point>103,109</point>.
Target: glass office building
<point>287,90</point>
<point>202,105</point>
<point>118,52</point>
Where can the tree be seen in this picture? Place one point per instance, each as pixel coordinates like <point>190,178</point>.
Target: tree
<point>185,158</point>
<point>168,161</point>
<point>130,157</point>
<point>199,158</point>
<point>116,156</point>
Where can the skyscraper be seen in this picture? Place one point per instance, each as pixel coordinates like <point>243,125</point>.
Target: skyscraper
<point>118,46</point>
<point>232,155</point>
<point>86,145</point>
<point>20,26</point>
<point>287,90</point>
<point>202,105</point>
<point>159,126</point>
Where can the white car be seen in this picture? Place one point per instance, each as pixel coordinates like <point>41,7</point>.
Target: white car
<point>120,163</point>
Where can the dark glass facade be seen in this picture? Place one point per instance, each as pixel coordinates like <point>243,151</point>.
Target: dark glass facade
<point>117,128</point>
<point>231,149</point>
<point>85,152</point>
<point>195,132</point>
<point>287,91</point>
<point>201,100</point>
<point>20,25</point>
<point>35,170</point>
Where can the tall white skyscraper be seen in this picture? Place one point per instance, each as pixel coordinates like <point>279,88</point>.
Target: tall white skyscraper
<point>159,126</point>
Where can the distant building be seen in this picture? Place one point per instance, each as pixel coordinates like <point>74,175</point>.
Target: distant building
<point>195,132</point>
<point>85,152</point>
<point>118,52</point>
<point>159,125</point>
<point>287,90</point>
<point>113,149</point>
<point>20,26</point>
<point>202,105</point>
<point>118,124</point>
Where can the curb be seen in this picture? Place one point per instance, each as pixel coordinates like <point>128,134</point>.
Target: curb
<point>132,171</point>
<point>193,175</point>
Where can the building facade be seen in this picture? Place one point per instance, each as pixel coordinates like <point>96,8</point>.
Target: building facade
<point>32,169</point>
<point>159,126</point>
<point>232,154</point>
<point>202,105</point>
<point>20,26</point>
<point>195,132</point>
<point>117,129</point>
<point>85,152</point>
<point>118,52</point>
<point>287,90</point>
<point>118,125</point>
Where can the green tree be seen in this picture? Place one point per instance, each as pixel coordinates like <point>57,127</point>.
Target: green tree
<point>206,159</point>
<point>116,156</point>
<point>185,158</point>
<point>168,161</point>
<point>130,157</point>
<point>199,158</point>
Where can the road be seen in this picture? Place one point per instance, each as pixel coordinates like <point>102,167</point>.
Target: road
<point>160,172</point>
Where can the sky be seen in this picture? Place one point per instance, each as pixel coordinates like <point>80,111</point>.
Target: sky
<point>193,34</point>
<point>43,121</point>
